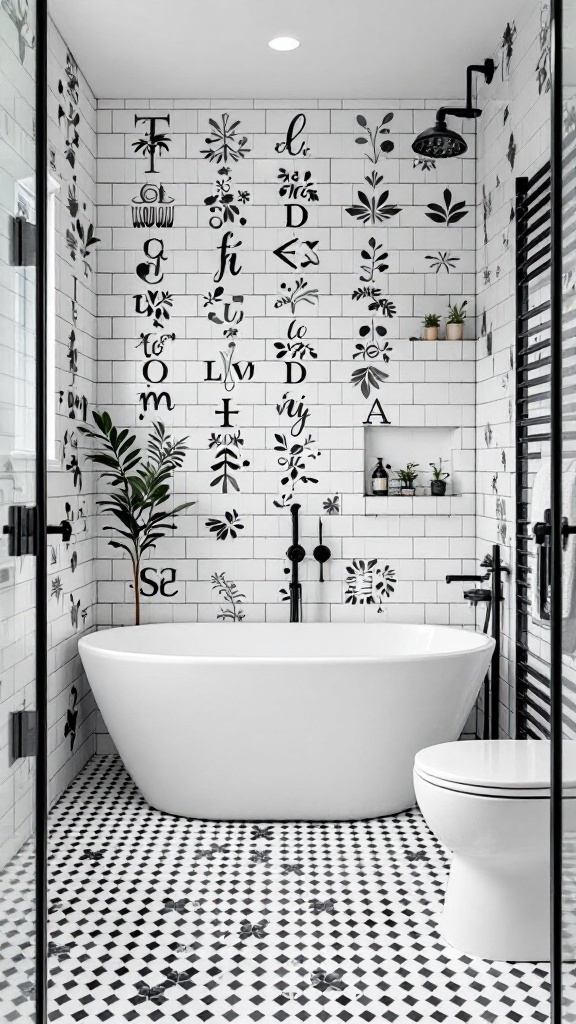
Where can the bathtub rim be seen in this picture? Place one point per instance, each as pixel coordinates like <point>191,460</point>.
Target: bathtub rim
<point>86,643</point>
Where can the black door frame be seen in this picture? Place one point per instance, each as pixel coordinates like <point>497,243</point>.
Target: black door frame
<point>41,814</point>
<point>556,176</point>
<point>41,824</point>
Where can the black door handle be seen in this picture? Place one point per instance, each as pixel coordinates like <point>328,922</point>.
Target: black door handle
<point>64,529</point>
<point>566,531</point>
<point>541,532</point>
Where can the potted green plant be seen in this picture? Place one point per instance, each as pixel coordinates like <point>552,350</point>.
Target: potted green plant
<point>139,483</point>
<point>431,324</point>
<point>439,478</point>
<point>407,477</point>
<point>455,322</point>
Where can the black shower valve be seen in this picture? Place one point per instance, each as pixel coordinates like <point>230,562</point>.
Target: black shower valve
<point>321,552</point>
<point>296,553</point>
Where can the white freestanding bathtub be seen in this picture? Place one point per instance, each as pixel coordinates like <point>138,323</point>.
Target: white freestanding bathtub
<point>281,721</point>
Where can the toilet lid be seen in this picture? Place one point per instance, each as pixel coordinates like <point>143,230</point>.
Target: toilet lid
<point>512,765</point>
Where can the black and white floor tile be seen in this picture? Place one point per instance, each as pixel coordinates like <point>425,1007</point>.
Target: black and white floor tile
<point>165,919</point>
<point>17,938</point>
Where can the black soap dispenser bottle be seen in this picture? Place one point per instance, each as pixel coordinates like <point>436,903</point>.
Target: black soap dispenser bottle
<point>380,480</point>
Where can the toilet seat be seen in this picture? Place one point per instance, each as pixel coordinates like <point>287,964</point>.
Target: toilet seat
<point>493,791</point>
<point>509,769</point>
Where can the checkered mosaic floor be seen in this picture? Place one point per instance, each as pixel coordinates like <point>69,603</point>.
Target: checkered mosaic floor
<point>17,938</point>
<point>164,919</point>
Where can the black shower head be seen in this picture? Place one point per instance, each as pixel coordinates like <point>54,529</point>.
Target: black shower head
<point>439,142</point>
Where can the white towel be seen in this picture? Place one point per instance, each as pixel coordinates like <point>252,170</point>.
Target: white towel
<point>540,504</point>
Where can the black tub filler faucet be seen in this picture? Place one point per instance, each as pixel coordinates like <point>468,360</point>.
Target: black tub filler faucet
<point>492,597</point>
<point>297,554</point>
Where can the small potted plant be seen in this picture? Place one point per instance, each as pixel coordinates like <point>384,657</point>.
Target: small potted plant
<point>455,322</point>
<point>431,324</point>
<point>407,477</point>
<point>439,478</point>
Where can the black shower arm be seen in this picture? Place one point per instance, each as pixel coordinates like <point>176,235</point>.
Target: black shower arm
<point>445,112</point>
<point>487,70</point>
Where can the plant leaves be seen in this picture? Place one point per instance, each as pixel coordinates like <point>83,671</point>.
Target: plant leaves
<point>455,217</point>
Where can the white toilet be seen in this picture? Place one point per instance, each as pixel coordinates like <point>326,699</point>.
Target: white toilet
<point>488,802</point>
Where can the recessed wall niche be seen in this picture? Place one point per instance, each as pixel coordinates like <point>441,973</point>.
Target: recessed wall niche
<point>397,446</point>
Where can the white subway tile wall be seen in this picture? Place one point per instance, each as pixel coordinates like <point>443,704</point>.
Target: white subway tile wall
<point>17,347</point>
<point>71,480</point>
<point>270,307</point>
<point>513,140</point>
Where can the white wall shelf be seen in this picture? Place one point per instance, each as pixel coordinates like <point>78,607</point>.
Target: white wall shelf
<point>420,504</point>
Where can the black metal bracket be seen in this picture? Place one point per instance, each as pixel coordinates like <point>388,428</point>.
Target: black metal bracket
<point>21,530</point>
<point>23,239</point>
<point>23,735</point>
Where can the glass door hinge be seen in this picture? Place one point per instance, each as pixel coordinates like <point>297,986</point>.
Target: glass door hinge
<point>24,734</point>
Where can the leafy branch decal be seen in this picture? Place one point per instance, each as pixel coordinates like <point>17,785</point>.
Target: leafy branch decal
<point>294,349</point>
<point>332,505</point>
<point>448,214</point>
<point>292,462</point>
<point>376,260</point>
<point>368,377</point>
<point>443,261</point>
<point>228,526</point>
<point>19,17</point>
<point>375,347</point>
<point>228,460</point>
<point>377,303</point>
<point>150,144</point>
<point>373,209</point>
<point>228,593</point>
<point>87,239</point>
<point>372,137</point>
<point>225,144</point>
<point>297,185</point>
<point>366,583</point>
<point>298,292</point>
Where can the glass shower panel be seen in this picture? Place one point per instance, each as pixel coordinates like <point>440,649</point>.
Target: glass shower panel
<point>17,488</point>
<point>568,1004</point>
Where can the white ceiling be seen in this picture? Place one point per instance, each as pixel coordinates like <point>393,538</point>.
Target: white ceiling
<point>218,48</point>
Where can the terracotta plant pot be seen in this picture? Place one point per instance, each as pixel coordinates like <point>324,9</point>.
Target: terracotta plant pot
<point>430,334</point>
<point>454,332</point>
<point>438,488</point>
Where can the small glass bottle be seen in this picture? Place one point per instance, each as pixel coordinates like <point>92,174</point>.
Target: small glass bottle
<point>380,480</point>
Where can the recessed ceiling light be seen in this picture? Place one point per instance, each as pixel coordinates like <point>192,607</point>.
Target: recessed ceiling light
<point>284,43</point>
